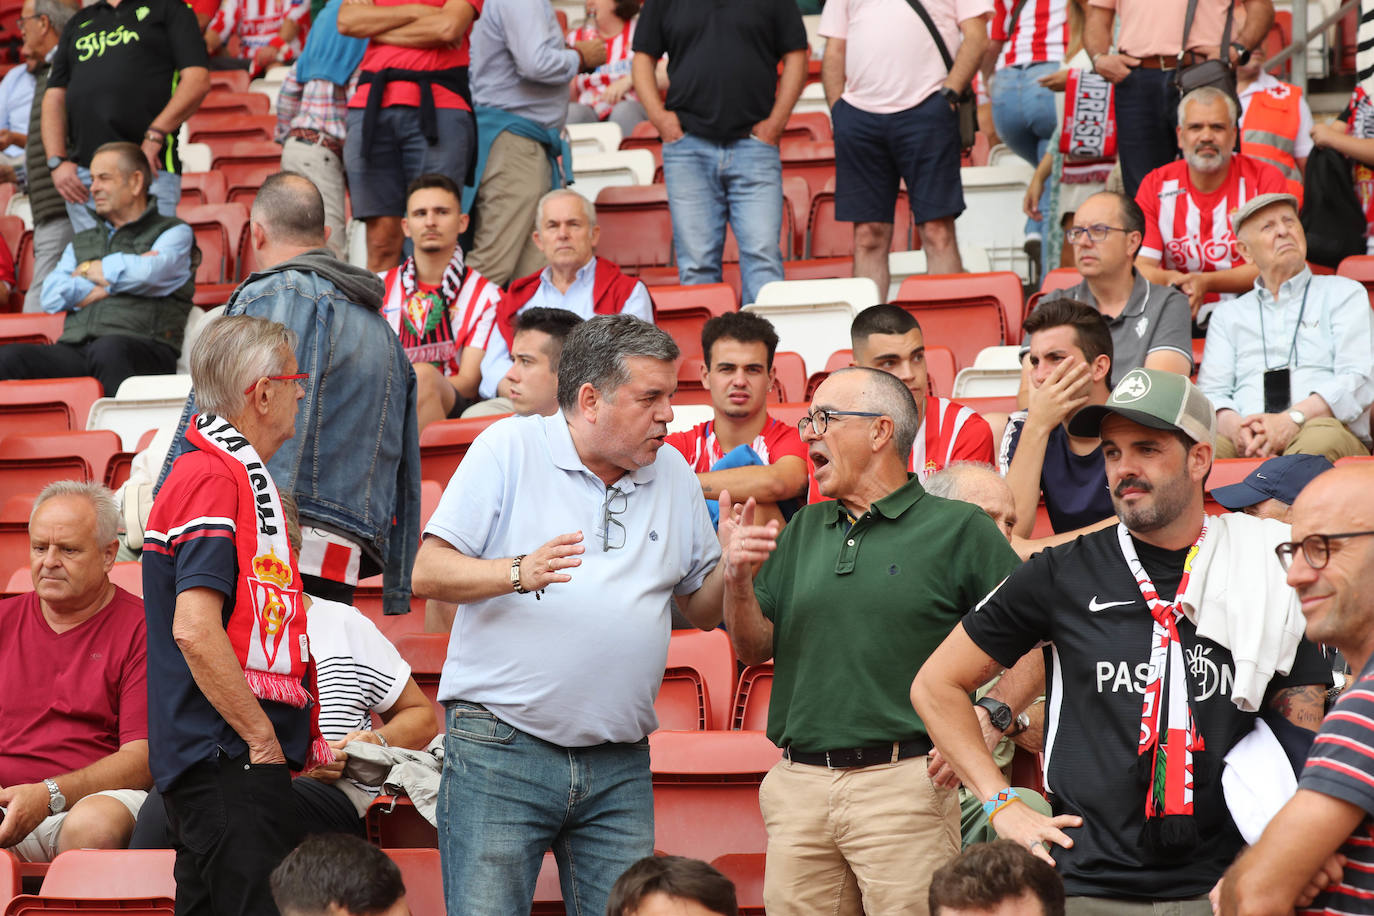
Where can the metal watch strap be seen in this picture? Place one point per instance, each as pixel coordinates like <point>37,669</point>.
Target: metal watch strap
<point>57,802</point>
<point>515,576</point>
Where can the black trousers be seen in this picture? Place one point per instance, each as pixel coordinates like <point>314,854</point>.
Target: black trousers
<point>231,823</point>
<point>110,359</point>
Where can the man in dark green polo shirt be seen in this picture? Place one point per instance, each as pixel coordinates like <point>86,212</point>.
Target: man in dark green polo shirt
<point>849,601</point>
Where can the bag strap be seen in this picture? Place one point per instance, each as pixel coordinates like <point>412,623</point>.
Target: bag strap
<point>1015,14</point>
<point>1224,51</point>
<point>935,33</point>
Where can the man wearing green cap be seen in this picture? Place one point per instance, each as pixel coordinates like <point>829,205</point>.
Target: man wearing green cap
<point>1144,697</point>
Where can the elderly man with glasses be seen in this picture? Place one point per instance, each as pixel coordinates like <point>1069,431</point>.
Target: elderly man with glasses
<point>849,601</point>
<point>563,541</point>
<point>1320,839</point>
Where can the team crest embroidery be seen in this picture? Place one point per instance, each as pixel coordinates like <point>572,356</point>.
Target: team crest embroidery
<point>141,13</point>
<point>1142,325</point>
<point>274,606</point>
<point>418,311</point>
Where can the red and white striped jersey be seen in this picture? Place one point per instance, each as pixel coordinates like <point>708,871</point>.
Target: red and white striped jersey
<point>1191,231</point>
<point>434,331</point>
<point>619,52</point>
<point>950,432</point>
<point>257,22</point>
<point>1039,34</point>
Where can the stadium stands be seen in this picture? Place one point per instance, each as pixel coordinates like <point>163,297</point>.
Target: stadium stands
<point>706,791</point>
<point>46,405</point>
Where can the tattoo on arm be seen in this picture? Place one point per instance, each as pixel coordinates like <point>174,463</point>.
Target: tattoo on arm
<point>1303,706</point>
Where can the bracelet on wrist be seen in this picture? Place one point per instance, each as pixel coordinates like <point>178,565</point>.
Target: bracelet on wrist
<point>995,805</point>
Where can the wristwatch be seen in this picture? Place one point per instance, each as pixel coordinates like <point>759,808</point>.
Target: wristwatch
<point>1022,723</point>
<point>515,575</point>
<point>1242,53</point>
<point>950,95</point>
<point>54,162</point>
<point>1298,417</point>
<point>57,802</point>
<point>998,712</point>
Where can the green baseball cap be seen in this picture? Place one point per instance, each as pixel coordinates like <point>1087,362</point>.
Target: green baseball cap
<point>1153,398</point>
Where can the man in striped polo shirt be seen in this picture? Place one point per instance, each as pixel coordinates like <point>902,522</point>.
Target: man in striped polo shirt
<point>1320,843</point>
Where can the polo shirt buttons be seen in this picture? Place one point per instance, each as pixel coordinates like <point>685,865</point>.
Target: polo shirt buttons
<point>851,542</point>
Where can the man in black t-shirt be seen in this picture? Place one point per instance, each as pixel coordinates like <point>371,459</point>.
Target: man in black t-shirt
<point>1141,708</point>
<point>726,111</point>
<point>124,70</point>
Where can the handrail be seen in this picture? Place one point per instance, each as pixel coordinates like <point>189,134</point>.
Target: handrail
<point>1302,35</point>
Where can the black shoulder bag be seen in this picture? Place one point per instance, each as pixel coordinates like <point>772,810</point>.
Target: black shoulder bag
<point>1216,73</point>
<point>968,105</point>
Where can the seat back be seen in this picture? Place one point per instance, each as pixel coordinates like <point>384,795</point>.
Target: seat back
<point>636,227</point>
<point>218,129</point>
<point>107,873</point>
<point>710,654</point>
<point>426,653</point>
<point>751,697</point>
<point>55,405</point>
<point>247,152</point>
<point>940,370</point>
<point>443,445</point>
<point>965,326</point>
<point>828,237</point>
<point>594,171</point>
<point>199,188</point>
<point>682,702</point>
<point>424,880</point>
<point>218,101</point>
<point>790,384</point>
<point>706,788</point>
<point>1359,267</point>
<point>745,871</point>
<point>813,329</point>
<point>14,550</point>
<point>29,463</point>
<point>244,179</point>
<point>682,310</point>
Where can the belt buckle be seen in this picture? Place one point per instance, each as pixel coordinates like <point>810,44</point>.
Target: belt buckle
<point>828,764</point>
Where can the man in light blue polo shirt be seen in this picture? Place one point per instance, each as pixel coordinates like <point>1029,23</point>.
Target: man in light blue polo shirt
<point>563,540</point>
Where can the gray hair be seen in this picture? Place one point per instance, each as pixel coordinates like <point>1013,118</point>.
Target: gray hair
<point>290,208</point>
<point>232,353</point>
<point>949,482</point>
<point>57,13</point>
<point>888,395</point>
<point>102,500</point>
<point>587,206</point>
<point>596,351</point>
<point>1206,95</point>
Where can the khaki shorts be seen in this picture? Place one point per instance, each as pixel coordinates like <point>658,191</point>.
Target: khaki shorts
<point>41,844</point>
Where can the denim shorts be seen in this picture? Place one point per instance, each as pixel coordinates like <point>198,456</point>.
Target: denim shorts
<point>874,152</point>
<point>380,170</point>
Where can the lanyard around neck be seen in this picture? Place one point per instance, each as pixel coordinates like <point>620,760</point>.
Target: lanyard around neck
<point>1264,341</point>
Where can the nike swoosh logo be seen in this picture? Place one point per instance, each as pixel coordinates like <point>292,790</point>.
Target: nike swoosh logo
<point>1094,605</point>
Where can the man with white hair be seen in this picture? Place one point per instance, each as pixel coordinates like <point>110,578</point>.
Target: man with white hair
<point>228,652</point>
<point>980,484</point>
<point>1187,205</point>
<point>576,280</point>
<point>74,762</point>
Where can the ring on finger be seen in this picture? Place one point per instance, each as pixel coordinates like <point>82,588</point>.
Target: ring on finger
<point>551,566</point>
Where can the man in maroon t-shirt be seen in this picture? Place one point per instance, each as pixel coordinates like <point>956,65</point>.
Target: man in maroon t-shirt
<point>73,686</point>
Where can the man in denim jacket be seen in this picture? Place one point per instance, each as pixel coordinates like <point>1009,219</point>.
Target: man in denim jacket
<point>354,464</point>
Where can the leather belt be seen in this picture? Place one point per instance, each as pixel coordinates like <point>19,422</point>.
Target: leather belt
<point>1169,61</point>
<point>319,138</point>
<point>861,756</point>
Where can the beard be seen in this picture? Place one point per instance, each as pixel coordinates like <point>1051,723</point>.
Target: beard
<point>1216,162</point>
<point>1171,498</point>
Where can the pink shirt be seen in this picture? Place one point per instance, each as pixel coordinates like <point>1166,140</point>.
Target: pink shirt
<point>891,62</point>
<point>1155,26</point>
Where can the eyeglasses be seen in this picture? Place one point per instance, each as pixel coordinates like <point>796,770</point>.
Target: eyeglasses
<point>1097,232</point>
<point>277,378</point>
<point>1316,548</point>
<point>612,529</point>
<point>22,19</point>
<point>820,419</point>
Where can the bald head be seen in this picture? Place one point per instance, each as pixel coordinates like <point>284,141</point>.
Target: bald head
<point>290,210</point>
<point>977,483</point>
<point>1338,595</point>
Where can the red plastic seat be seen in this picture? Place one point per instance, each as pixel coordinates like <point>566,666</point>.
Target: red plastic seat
<point>50,405</point>
<point>710,654</point>
<point>966,326</point>
<point>111,873</point>
<point>29,463</point>
<point>690,390</point>
<point>828,237</point>
<point>786,235</point>
<point>706,791</point>
<point>14,551</point>
<point>229,80</point>
<point>213,241</point>
<point>217,129</point>
<point>790,384</point>
<point>9,878</point>
<point>367,598</point>
<point>246,152</point>
<point>818,269</point>
<point>682,703</point>
<point>244,179</point>
<point>425,653</point>
<point>814,125</point>
<point>443,445</point>
<point>218,101</point>
<point>198,188</point>
<point>424,880</point>
<point>1226,471</point>
<point>812,161</point>
<point>745,871</point>
<point>751,698</point>
<point>840,359</point>
<point>941,370</point>
<point>636,227</point>
<point>36,327</point>
<point>1003,404</point>
<point>682,310</point>
<point>1359,267</point>
<point>392,822</point>
<point>548,892</point>
<point>222,224</point>
<point>788,413</point>
<point>1003,286</point>
<point>26,905</point>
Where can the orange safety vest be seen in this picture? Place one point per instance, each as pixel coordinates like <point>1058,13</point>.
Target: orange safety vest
<point>1269,129</point>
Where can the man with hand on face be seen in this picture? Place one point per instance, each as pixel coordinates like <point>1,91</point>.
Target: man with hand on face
<point>1188,240</point>
<point>854,818</point>
<point>443,311</point>
<point>742,449</point>
<point>550,695</point>
<point>1287,364</point>
<point>1135,736</point>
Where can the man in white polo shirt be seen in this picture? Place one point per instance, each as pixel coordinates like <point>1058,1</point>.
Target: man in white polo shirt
<point>562,540</point>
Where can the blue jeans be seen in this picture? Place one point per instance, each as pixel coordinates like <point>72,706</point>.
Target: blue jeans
<point>1146,115</point>
<point>1025,116</point>
<point>380,168</point>
<point>710,182</point>
<point>165,190</point>
<point>507,797</point>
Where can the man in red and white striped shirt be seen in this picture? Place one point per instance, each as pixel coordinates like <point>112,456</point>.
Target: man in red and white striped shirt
<point>443,311</point>
<point>1188,205</point>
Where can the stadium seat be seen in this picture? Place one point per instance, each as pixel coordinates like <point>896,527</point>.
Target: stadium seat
<point>425,653</point>
<point>594,171</point>
<point>686,416</point>
<point>812,317</point>
<point>11,233</point>
<point>681,703</point>
<point>215,252</point>
<point>51,405</point>
<point>195,157</point>
<point>29,463</point>
<point>710,654</point>
<point>903,264</point>
<point>221,129</point>
<point>987,405</point>
<point>14,543</point>
<point>840,359</point>
<point>597,137</point>
<point>27,905</point>
<point>828,237</point>
<point>992,214</point>
<point>548,892</point>
<point>813,161</point>
<point>1002,285</point>
<point>751,698</point>
<point>392,822</point>
<point>788,413</point>
<point>940,370</point>
<point>812,100</point>
<point>143,402</point>
<point>966,326</point>
<point>424,880</point>
<point>1359,267</point>
<point>996,372</point>
<point>239,103</point>
<point>690,390</point>
<point>233,218</point>
<point>790,384</point>
<point>244,179</point>
<point>745,871</point>
<point>818,269</point>
<point>367,598</point>
<point>787,235</point>
<point>706,791</point>
<point>9,878</point>
<point>229,80</point>
<point>198,188</point>
<point>247,152</point>
<point>682,310</point>
<point>111,873</point>
<point>645,137</point>
<point>128,575</point>
<point>636,228</point>
<point>1060,278</point>
<point>34,327</point>
<point>443,445</point>
<point>809,126</point>
<point>23,274</point>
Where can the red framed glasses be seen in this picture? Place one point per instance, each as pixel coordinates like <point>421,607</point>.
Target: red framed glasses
<point>277,378</point>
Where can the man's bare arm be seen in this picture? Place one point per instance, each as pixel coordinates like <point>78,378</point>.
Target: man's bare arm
<point>1304,706</point>
<point>832,70</point>
<point>438,28</point>
<point>27,805</point>
<point>783,479</point>
<point>364,20</point>
<point>192,86</point>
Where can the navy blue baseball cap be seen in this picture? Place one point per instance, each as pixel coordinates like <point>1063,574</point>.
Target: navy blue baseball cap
<point>1281,478</point>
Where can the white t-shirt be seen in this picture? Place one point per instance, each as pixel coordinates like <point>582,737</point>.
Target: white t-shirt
<point>580,665</point>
